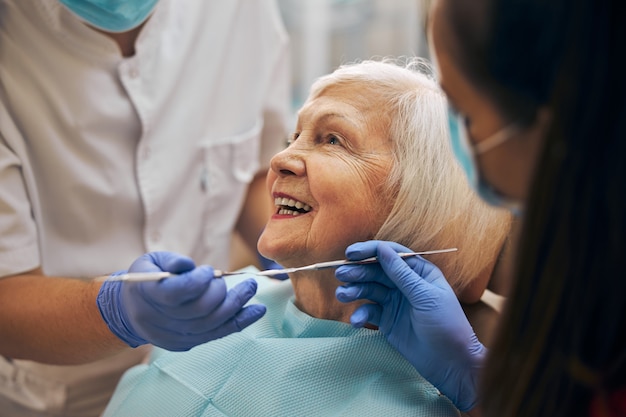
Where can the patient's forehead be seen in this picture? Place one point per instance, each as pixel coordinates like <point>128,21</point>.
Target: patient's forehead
<point>361,94</point>
<point>359,102</point>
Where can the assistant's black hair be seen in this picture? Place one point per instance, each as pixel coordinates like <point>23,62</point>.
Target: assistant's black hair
<point>562,336</point>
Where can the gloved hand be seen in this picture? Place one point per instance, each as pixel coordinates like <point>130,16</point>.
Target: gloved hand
<point>418,312</point>
<point>269,264</point>
<point>176,313</point>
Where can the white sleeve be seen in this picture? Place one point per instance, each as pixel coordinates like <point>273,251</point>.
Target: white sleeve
<point>19,250</point>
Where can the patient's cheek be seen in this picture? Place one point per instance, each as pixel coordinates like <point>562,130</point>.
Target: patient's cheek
<point>269,179</point>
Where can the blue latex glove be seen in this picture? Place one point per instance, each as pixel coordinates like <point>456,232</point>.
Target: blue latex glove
<point>176,313</point>
<point>269,264</point>
<point>419,313</point>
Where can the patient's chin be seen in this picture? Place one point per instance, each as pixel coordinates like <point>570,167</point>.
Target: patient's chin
<point>269,249</point>
<point>263,248</point>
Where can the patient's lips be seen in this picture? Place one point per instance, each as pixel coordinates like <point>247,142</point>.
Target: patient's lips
<point>289,206</point>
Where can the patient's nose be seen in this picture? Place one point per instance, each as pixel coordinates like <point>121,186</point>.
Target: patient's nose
<point>288,162</point>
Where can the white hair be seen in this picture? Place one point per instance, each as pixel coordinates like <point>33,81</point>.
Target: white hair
<point>434,205</point>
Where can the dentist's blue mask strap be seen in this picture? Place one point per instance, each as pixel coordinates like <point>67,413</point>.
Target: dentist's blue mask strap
<point>112,15</point>
<point>466,154</point>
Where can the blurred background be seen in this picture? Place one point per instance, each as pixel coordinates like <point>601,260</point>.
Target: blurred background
<point>327,33</point>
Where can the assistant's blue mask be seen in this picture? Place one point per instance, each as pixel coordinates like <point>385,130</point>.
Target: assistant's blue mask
<point>466,155</point>
<point>112,15</point>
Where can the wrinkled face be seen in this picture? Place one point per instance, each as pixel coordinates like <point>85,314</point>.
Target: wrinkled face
<point>327,185</point>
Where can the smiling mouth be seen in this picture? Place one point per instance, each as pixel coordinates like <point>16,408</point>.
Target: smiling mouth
<point>291,207</point>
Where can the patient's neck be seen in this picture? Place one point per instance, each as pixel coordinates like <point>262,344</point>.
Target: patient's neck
<point>315,295</point>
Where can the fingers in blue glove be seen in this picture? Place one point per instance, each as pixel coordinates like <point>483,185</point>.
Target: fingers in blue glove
<point>246,316</point>
<point>199,284</point>
<point>361,250</point>
<point>206,313</point>
<point>352,292</point>
<point>392,271</point>
<point>403,269</point>
<point>180,342</point>
<point>162,261</point>
<point>369,272</point>
<point>234,301</point>
<point>367,313</point>
<point>419,314</point>
<point>176,313</point>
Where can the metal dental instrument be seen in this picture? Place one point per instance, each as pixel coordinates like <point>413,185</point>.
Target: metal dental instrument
<point>136,276</point>
<point>156,276</point>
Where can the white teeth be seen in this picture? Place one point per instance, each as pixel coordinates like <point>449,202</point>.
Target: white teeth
<point>288,212</point>
<point>285,204</point>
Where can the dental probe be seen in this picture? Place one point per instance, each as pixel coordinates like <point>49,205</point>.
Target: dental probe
<point>217,273</point>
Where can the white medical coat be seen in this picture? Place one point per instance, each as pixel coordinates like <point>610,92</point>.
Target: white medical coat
<point>103,158</point>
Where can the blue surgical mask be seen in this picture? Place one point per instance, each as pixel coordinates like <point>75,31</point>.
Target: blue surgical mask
<point>466,155</point>
<point>112,15</point>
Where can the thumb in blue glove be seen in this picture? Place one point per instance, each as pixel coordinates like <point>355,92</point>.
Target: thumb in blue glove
<point>176,313</point>
<point>418,312</point>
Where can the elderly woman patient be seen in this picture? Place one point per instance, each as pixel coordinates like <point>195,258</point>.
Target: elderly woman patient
<point>369,159</point>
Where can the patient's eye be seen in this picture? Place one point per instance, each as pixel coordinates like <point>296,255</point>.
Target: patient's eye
<point>331,139</point>
<point>291,139</point>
